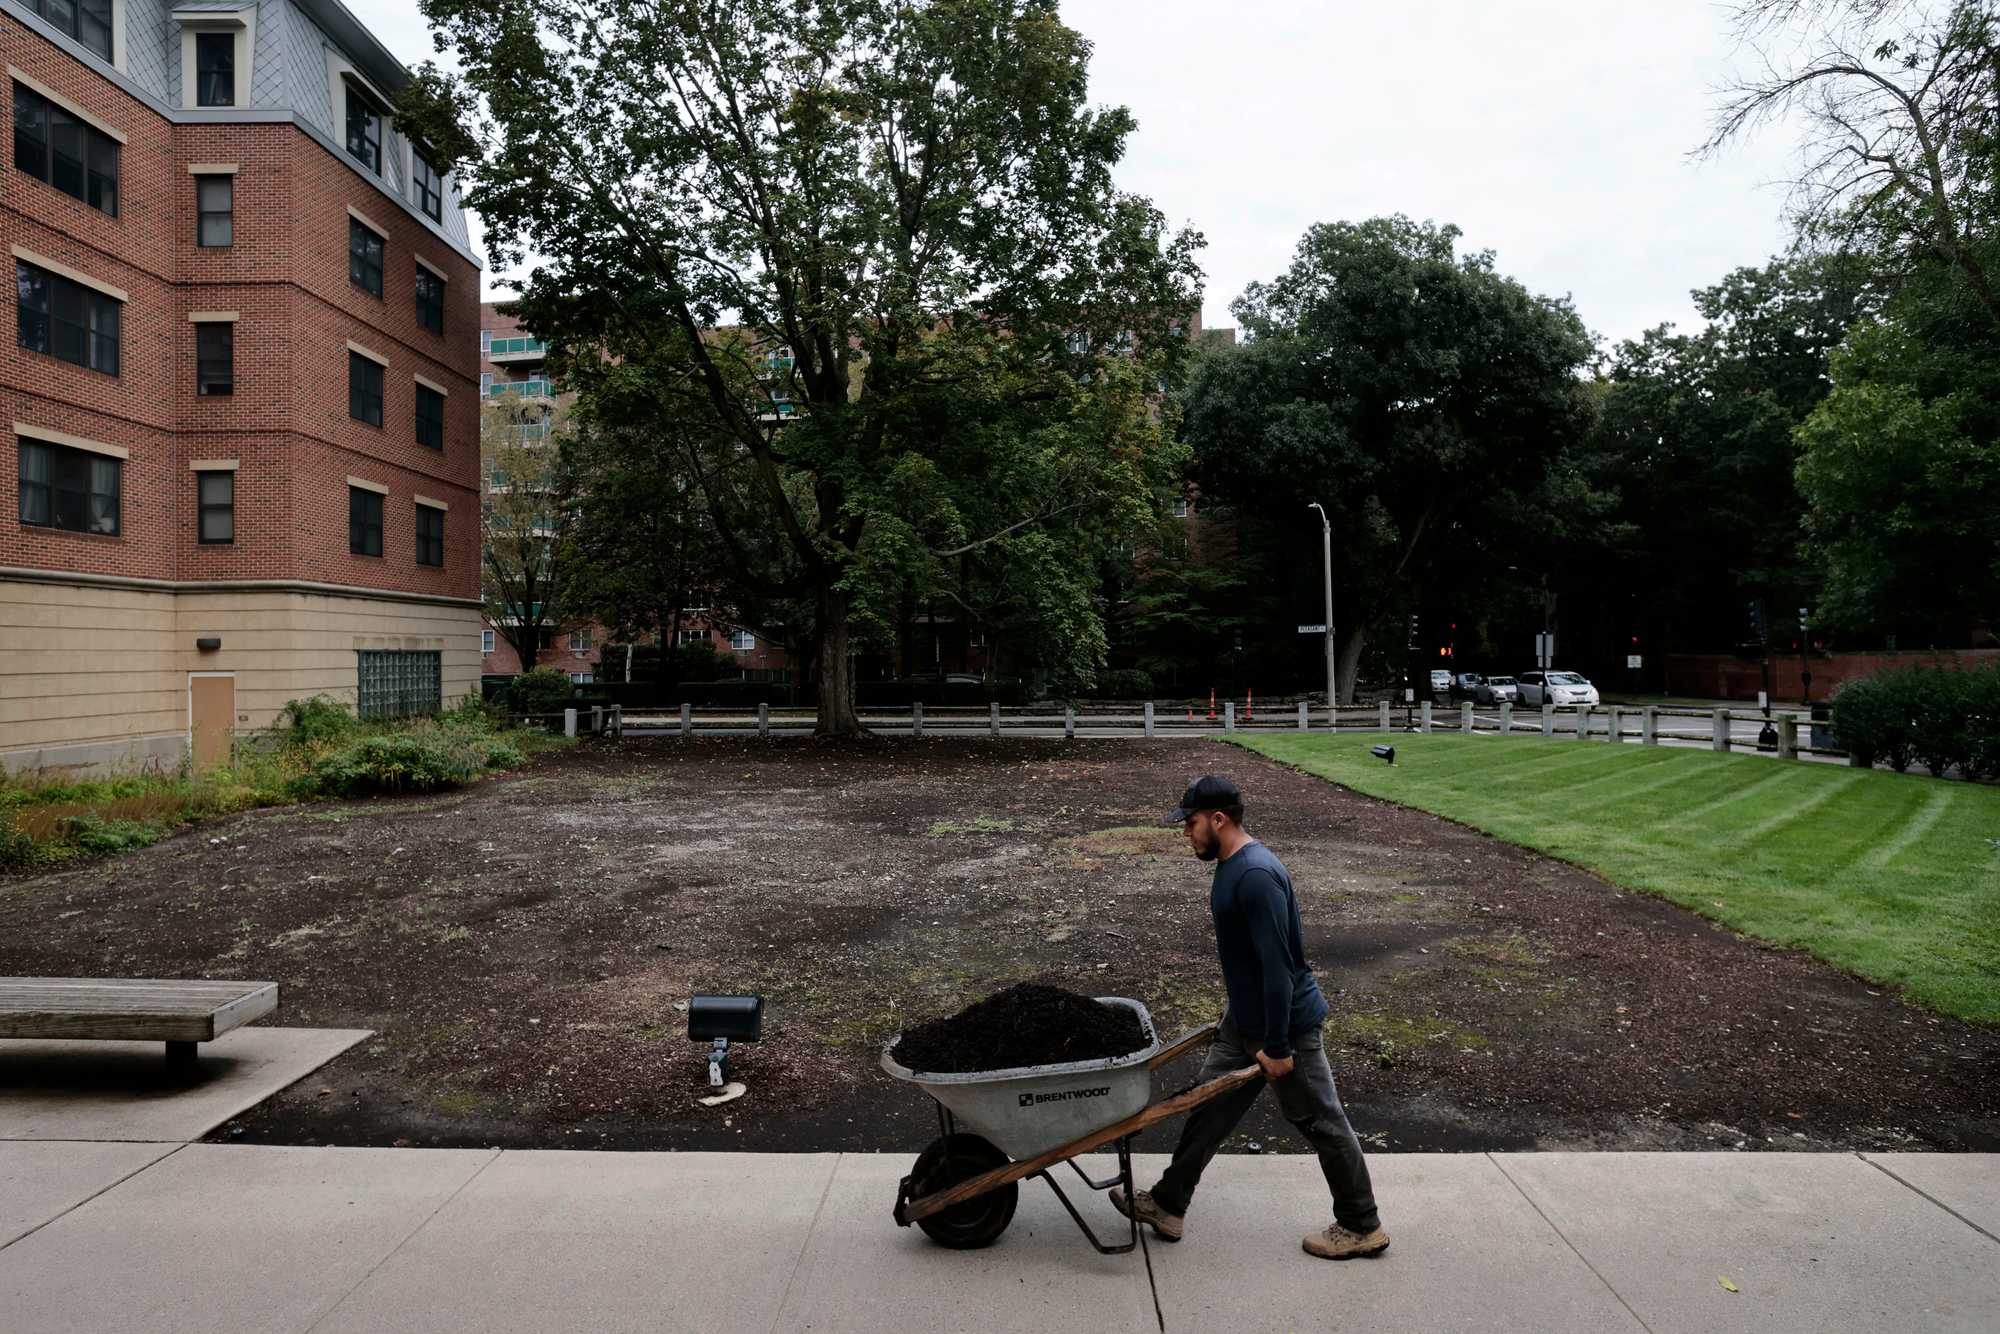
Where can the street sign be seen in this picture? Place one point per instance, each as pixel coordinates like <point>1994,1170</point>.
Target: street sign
<point>1312,629</point>
<point>1632,661</point>
<point>1545,650</point>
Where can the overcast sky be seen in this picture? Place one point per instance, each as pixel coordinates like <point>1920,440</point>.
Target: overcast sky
<point>1555,134</point>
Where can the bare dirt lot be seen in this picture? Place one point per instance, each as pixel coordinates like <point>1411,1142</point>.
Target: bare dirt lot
<point>520,948</point>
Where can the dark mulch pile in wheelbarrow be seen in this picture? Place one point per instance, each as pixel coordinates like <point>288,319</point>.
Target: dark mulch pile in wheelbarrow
<point>1026,1024</point>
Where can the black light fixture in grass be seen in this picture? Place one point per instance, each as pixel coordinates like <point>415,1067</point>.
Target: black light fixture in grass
<point>721,1020</point>
<point>1386,754</point>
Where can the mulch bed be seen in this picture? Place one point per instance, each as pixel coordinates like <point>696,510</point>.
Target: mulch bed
<point>1027,1024</point>
<point>520,949</point>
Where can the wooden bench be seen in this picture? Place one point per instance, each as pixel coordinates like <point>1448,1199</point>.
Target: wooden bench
<point>179,1013</point>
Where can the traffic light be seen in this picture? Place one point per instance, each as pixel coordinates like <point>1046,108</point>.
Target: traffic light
<point>1804,614</point>
<point>1757,633</point>
<point>1413,630</point>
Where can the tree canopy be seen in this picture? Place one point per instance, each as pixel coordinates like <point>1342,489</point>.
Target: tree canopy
<point>944,320</point>
<point>1424,398</point>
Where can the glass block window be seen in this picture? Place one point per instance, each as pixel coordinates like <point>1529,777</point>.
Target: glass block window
<point>71,489</point>
<point>215,69</point>
<point>217,501</point>
<point>364,257</point>
<point>52,145</point>
<point>364,522</point>
<point>398,683</point>
<point>430,535</point>
<point>215,210</point>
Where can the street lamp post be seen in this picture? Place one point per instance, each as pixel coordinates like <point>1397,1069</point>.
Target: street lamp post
<point>1332,675</point>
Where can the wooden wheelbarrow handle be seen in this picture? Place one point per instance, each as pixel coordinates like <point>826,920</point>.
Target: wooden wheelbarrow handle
<point>1180,1045</point>
<point>1131,1125</point>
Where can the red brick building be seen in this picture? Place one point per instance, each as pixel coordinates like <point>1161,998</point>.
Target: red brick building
<point>513,370</point>
<point>242,389</point>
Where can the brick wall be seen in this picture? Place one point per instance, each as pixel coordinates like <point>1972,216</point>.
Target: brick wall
<point>1722,676</point>
<point>285,274</point>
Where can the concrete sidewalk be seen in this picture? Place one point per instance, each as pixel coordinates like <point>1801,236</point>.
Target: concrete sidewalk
<point>166,1237</point>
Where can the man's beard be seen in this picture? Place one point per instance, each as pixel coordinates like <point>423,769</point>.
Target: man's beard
<point>1207,854</point>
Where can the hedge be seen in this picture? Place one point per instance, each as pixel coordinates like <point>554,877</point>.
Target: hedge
<point>1941,718</point>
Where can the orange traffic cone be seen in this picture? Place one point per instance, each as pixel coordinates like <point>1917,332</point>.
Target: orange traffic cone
<point>1211,703</point>
<point>1249,705</point>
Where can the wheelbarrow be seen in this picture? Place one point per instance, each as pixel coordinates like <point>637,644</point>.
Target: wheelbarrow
<point>1020,1123</point>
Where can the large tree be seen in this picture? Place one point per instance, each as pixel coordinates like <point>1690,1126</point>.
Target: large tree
<point>1697,430</point>
<point>1421,396</point>
<point>903,207</point>
<point>529,568</point>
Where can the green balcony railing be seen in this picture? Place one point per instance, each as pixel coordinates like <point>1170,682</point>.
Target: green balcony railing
<point>519,388</point>
<point>506,347</point>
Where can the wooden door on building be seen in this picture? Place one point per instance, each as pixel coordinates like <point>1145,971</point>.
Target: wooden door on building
<point>211,717</point>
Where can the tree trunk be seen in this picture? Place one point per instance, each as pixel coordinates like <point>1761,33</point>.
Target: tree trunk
<point>836,669</point>
<point>1347,662</point>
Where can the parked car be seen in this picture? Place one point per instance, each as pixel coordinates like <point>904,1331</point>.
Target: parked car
<point>1440,684</point>
<point>1498,690</point>
<point>1555,688</point>
<point>1465,685</point>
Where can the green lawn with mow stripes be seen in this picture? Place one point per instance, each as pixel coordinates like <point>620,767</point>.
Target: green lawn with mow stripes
<point>1892,877</point>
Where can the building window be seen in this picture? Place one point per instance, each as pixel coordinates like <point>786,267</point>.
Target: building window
<point>579,641</point>
<point>215,69</point>
<point>579,678</point>
<point>692,637</point>
<point>89,21</point>
<point>71,489</point>
<point>430,187</point>
<point>397,683</point>
<point>364,131</point>
<point>364,522</point>
<point>214,358</point>
<point>430,417</point>
<point>52,145</point>
<point>485,641</point>
<point>216,499</point>
<point>743,641</point>
<point>66,320</point>
<point>485,384</point>
<point>364,257</point>
<point>485,342</point>
<point>364,389</point>
<point>215,210</point>
<point>430,535</point>
<point>430,300</point>
<point>1180,509</point>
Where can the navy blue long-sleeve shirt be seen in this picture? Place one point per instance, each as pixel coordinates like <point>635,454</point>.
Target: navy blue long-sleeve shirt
<point>1261,943</point>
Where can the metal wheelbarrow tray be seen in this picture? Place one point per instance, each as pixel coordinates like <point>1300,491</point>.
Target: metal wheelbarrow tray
<point>1019,1123</point>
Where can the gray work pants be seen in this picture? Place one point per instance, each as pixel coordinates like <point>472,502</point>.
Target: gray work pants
<point>1308,1099</point>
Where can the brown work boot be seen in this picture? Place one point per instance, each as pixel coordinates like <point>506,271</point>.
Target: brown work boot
<point>1167,1225</point>
<point>1337,1243</point>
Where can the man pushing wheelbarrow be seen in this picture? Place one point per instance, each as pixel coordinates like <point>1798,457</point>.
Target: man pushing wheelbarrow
<point>1274,1015</point>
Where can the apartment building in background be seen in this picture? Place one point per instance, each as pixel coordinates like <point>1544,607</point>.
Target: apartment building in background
<point>514,377</point>
<point>242,388</point>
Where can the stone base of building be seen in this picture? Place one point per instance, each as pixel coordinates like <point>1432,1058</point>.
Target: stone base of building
<point>102,676</point>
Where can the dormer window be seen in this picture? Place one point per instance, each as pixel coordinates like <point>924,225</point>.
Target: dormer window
<point>89,21</point>
<point>430,187</point>
<point>217,46</point>
<point>364,130</point>
<point>215,69</point>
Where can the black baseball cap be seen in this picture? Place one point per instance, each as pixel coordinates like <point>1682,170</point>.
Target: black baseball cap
<point>1210,792</point>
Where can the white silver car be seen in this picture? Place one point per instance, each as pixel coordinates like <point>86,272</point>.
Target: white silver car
<point>1556,688</point>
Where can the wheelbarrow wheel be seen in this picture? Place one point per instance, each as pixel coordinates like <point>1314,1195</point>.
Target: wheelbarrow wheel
<point>973,1223</point>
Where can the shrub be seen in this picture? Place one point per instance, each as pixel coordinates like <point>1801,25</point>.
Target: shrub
<point>308,722</point>
<point>1124,683</point>
<point>17,849</point>
<point>1946,719</point>
<point>543,690</point>
<point>419,760</point>
<point>94,833</point>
